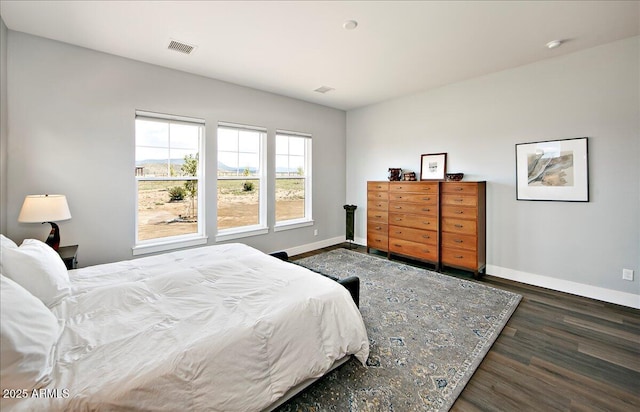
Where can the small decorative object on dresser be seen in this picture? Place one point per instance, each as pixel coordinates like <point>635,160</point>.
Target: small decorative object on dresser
<point>409,176</point>
<point>433,166</point>
<point>454,177</point>
<point>395,174</point>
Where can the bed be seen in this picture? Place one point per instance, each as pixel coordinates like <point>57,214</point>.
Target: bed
<point>220,328</point>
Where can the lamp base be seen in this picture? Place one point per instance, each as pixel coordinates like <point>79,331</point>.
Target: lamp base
<point>53,239</point>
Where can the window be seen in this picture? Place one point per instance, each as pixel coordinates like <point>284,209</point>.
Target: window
<point>293,179</point>
<point>170,182</point>
<point>241,183</point>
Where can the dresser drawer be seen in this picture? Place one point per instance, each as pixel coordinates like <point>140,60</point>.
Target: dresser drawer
<point>424,209</point>
<point>413,249</point>
<point>378,241</point>
<point>420,187</point>
<point>428,237</point>
<point>377,216</point>
<point>377,204</point>
<point>463,227</point>
<point>377,195</point>
<point>457,241</point>
<point>459,200</point>
<point>470,188</point>
<point>377,227</point>
<point>415,221</point>
<point>460,258</point>
<point>459,212</point>
<point>422,198</point>
<point>377,186</point>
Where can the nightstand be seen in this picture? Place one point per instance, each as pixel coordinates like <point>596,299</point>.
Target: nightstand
<point>69,255</point>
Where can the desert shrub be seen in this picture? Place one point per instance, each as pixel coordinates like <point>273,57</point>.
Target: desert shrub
<point>177,193</point>
<point>247,187</point>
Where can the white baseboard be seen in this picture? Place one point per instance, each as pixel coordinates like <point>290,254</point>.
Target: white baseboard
<point>315,245</point>
<point>567,286</point>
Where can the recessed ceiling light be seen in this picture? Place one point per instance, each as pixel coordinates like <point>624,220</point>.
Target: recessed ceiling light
<point>554,43</point>
<point>350,24</point>
<point>324,89</point>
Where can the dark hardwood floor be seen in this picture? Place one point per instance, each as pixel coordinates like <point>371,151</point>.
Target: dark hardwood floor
<point>558,352</point>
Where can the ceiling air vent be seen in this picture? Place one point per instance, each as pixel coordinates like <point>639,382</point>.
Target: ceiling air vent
<point>324,89</point>
<point>181,47</point>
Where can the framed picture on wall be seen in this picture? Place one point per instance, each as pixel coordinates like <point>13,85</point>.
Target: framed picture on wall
<point>553,170</point>
<point>433,166</point>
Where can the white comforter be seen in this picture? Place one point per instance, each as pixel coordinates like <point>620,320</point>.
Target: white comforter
<point>220,328</point>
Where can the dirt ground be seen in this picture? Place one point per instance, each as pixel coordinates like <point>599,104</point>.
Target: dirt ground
<point>158,217</point>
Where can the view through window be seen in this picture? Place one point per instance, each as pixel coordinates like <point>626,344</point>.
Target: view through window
<point>293,171</point>
<point>168,173</point>
<point>241,184</point>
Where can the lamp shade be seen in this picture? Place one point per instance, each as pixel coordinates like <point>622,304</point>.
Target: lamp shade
<point>44,208</point>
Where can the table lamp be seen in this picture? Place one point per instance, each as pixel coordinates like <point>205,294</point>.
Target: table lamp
<point>46,209</point>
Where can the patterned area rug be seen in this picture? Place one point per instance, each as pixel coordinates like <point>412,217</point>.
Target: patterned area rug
<point>428,333</point>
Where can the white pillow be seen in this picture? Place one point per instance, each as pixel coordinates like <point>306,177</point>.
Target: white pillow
<point>37,268</point>
<point>29,333</point>
<point>5,243</point>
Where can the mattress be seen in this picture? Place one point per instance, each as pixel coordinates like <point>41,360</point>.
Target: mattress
<point>219,328</point>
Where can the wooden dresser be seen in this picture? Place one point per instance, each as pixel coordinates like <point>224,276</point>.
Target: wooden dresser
<point>463,225</point>
<point>443,223</point>
<point>377,216</point>
<point>413,220</point>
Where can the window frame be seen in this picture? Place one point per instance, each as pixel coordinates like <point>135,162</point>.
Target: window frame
<point>307,220</point>
<point>177,241</point>
<point>261,227</point>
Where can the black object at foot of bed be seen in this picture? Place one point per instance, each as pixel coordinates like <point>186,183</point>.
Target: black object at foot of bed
<point>351,283</point>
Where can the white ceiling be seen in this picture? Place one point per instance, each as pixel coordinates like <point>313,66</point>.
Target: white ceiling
<point>294,47</point>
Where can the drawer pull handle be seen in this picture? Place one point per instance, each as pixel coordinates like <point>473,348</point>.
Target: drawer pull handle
<point>458,226</point>
<point>397,245</point>
<point>459,212</point>
<point>398,207</point>
<point>426,250</point>
<point>426,209</point>
<point>398,232</point>
<point>457,240</point>
<point>379,216</point>
<point>459,189</point>
<point>378,228</point>
<point>399,197</point>
<point>398,219</point>
<point>426,198</point>
<point>426,236</point>
<point>459,200</point>
<point>426,223</point>
<point>459,257</point>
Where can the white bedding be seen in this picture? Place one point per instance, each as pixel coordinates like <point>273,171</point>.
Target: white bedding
<point>220,328</point>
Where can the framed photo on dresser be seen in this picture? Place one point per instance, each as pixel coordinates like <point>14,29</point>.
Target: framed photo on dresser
<point>433,166</point>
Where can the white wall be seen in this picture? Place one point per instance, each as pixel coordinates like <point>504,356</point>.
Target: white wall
<point>577,247</point>
<point>71,131</point>
<point>3,125</point>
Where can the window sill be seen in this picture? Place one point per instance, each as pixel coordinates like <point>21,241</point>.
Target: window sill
<point>292,224</point>
<point>163,246</point>
<point>231,234</point>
